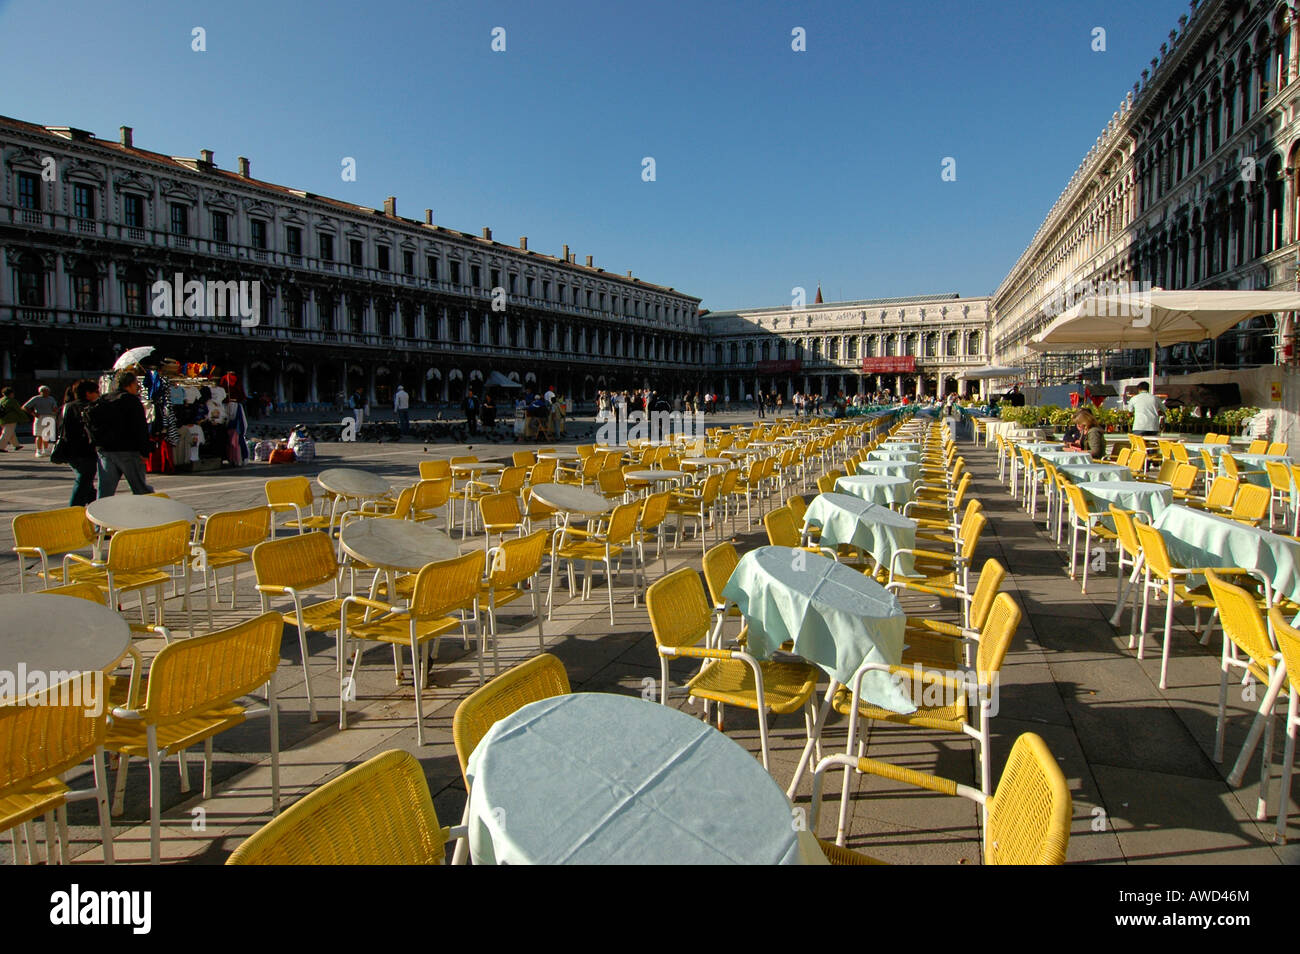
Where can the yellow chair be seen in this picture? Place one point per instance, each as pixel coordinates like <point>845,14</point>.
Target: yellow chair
<point>571,544</point>
<point>1184,478</point>
<point>293,567</point>
<point>654,511</point>
<point>1082,518</point>
<point>696,504</point>
<point>681,619</point>
<point>782,531</point>
<point>826,482</point>
<point>942,645</point>
<point>379,813</point>
<point>294,495</point>
<point>41,738</point>
<point>436,469</point>
<point>50,533</point>
<point>1219,499</point>
<point>941,574</point>
<point>441,590</point>
<point>959,692</point>
<point>1279,448</point>
<point>190,696</point>
<point>523,458</point>
<point>1288,642</point>
<point>140,560</point>
<point>542,472</point>
<point>1279,483</point>
<point>1028,816</point>
<point>431,495</point>
<point>228,536</point>
<point>1251,504</point>
<point>1257,447</point>
<point>719,563</point>
<point>513,568</point>
<point>535,511</point>
<point>501,515</point>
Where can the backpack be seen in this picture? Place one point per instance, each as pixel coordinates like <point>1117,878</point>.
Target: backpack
<point>103,420</point>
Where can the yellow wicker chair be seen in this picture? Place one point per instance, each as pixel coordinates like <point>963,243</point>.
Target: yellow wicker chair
<point>942,645</point>
<point>720,562</point>
<point>379,813</point>
<point>443,592</point>
<point>681,618</point>
<point>942,574</point>
<point>294,495</point>
<point>228,536</point>
<point>50,533</point>
<point>952,712</point>
<point>1279,448</point>
<point>654,511</point>
<point>572,543</point>
<point>1288,641</point>
<point>696,505</point>
<point>190,696</point>
<point>436,469</point>
<point>430,500</point>
<point>523,458</point>
<point>542,472</point>
<point>1083,519</point>
<point>513,569</point>
<point>294,567</point>
<point>501,515</point>
<point>1028,816</point>
<point>140,560</point>
<point>1251,504</point>
<point>40,740</point>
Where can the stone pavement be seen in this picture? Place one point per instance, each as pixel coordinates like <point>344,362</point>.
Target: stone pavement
<point>1138,760</point>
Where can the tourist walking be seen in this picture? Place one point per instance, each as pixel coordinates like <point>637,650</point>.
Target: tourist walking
<point>77,447</point>
<point>11,415</point>
<point>470,406</point>
<point>117,426</point>
<point>43,408</point>
<point>402,405</point>
<point>357,403</point>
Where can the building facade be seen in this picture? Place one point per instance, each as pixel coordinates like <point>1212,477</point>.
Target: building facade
<point>348,296</point>
<point>914,346</point>
<point>1193,183</point>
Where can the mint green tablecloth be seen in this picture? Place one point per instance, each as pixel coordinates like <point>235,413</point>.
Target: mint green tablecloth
<point>1091,473</point>
<point>1038,447</point>
<point>1144,495</point>
<point>852,521</point>
<point>597,778</point>
<point>1256,462</point>
<point>1195,538</point>
<point>889,468</point>
<point>1060,458</point>
<point>837,617</point>
<point>888,453</point>
<point>880,490</point>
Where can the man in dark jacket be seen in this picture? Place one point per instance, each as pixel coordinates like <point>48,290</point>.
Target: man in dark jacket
<point>470,406</point>
<point>124,444</point>
<point>81,452</point>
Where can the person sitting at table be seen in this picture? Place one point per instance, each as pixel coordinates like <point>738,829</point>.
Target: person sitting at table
<point>1091,438</point>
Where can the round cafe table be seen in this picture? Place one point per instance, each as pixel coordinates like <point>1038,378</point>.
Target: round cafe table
<point>654,476</point>
<point>597,778</point>
<point>1146,496</point>
<point>48,634</point>
<point>1063,458</point>
<point>570,500</point>
<point>877,530</point>
<point>1092,473</point>
<point>475,468</point>
<point>884,453</point>
<point>707,461</point>
<point>136,511</point>
<point>889,468</point>
<point>348,483</point>
<point>1196,538</point>
<point>557,455</point>
<point>400,545</point>
<point>877,490</point>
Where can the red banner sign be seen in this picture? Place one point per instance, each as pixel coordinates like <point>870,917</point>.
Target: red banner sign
<point>898,364</point>
<point>779,367</point>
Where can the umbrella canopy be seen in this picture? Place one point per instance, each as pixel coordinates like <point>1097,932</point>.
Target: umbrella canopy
<point>1149,319</point>
<point>990,371</point>
<point>498,380</point>
<point>128,358</point>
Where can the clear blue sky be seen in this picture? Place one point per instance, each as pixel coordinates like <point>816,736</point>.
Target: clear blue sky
<point>774,168</point>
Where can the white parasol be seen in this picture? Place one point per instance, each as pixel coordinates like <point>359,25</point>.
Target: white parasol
<point>133,357</point>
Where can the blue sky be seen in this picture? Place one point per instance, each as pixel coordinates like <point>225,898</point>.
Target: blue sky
<point>774,168</point>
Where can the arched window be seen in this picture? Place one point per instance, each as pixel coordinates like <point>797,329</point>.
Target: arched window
<point>734,350</point>
<point>872,346</point>
<point>853,348</point>
<point>135,291</point>
<point>717,354</point>
<point>325,311</point>
<point>973,343</point>
<point>749,352</point>
<point>932,344</point>
<point>780,350</point>
<point>293,308</point>
<point>384,317</point>
<point>85,287</point>
<point>891,346</point>
<point>817,349</point>
<point>909,344</point>
<point>833,348</point>
<point>766,351</point>
<point>950,345</point>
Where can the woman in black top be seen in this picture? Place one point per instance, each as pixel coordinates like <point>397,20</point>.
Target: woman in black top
<point>1091,437</point>
<point>81,452</point>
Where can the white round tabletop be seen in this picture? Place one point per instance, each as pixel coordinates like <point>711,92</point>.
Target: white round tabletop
<point>598,778</point>
<point>569,499</point>
<point>706,461</point>
<point>46,633</point>
<point>477,467</point>
<point>396,544</point>
<point>654,475</point>
<point>607,448</point>
<point>350,482</point>
<point>557,455</point>
<point>137,511</point>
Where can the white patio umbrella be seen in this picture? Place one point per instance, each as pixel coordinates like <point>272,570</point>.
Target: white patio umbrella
<point>990,371</point>
<point>1150,319</point>
<point>134,356</point>
<point>498,380</point>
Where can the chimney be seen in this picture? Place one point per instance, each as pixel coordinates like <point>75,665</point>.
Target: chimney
<point>629,273</point>
<point>566,253</point>
<point>243,167</point>
<point>126,137</point>
<point>523,242</point>
<point>589,261</point>
<point>428,216</point>
<point>390,205</point>
<point>487,233</point>
<point>205,157</point>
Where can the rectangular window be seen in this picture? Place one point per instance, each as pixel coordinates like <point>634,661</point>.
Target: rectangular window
<point>432,262</point>
<point>293,240</point>
<point>496,278</point>
<point>257,231</point>
<point>133,211</point>
<point>133,293</point>
<point>83,201</point>
<point>220,227</point>
<point>513,283</point>
<point>475,275</point>
<point>381,257</point>
<point>355,252</point>
<point>546,291</point>
<point>180,219</point>
<point>29,191</point>
<point>85,291</point>
<point>455,272</point>
<point>528,287</point>
<point>408,263</point>
<point>326,247</point>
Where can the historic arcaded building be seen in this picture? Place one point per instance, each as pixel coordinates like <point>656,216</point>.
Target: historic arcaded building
<point>347,296</point>
<point>1192,184</point>
<point>915,345</point>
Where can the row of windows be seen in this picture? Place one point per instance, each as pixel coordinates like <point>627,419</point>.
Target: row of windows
<point>783,350</point>
<point>179,214</point>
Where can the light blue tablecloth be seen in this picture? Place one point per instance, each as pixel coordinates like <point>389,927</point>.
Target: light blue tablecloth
<point>1060,458</point>
<point>1248,462</point>
<point>1091,473</point>
<point>880,490</point>
<point>1143,495</point>
<point>889,468</point>
<point>852,521</point>
<point>597,778</point>
<point>1039,447</point>
<point>1195,538</point>
<point>837,617</point>
<point>884,453</point>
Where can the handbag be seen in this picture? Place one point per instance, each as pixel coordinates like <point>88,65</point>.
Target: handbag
<point>59,452</point>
